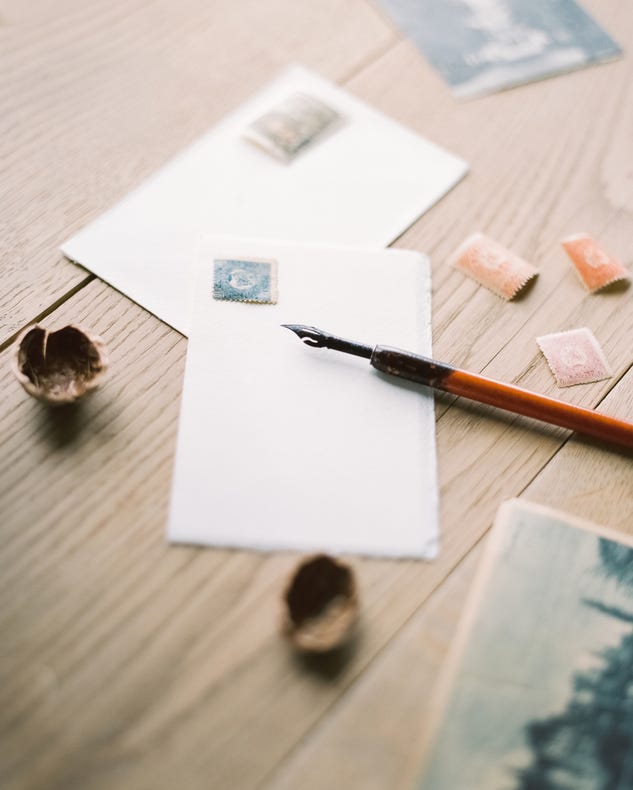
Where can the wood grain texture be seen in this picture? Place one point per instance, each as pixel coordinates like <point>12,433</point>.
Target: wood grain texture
<point>522,194</point>
<point>96,96</point>
<point>125,663</point>
<point>585,481</point>
<point>372,738</point>
<point>367,740</point>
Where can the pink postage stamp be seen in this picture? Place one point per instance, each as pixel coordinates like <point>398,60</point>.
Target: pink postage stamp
<point>596,268</point>
<point>574,357</point>
<point>493,266</point>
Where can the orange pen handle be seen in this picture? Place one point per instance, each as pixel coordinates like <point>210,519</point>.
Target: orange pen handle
<point>503,396</point>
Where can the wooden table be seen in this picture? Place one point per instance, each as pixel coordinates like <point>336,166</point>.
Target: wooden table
<point>129,664</point>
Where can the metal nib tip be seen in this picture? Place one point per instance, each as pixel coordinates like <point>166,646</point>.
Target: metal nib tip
<point>310,335</point>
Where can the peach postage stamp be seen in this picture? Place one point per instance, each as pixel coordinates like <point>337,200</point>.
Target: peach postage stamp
<point>594,265</point>
<point>493,266</point>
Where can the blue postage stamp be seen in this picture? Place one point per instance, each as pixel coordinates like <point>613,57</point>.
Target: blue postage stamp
<point>245,280</point>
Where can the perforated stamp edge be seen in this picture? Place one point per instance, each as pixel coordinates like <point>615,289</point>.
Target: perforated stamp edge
<point>267,142</point>
<point>504,281</point>
<point>274,284</point>
<point>563,377</point>
<point>613,269</point>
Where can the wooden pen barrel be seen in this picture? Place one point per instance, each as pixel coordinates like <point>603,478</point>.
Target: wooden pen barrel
<point>503,396</point>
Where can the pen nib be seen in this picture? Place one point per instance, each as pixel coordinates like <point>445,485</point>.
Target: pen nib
<point>317,338</point>
<point>310,335</point>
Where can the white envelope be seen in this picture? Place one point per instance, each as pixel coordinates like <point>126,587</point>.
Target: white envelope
<point>363,183</point>
<point>282,446</point>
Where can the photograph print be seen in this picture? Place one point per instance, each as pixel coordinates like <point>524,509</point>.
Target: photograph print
<point>481,46</point>
<point>539,690</point>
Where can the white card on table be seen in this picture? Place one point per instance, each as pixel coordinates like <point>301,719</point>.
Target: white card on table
<point>360,181</point>
<point>282,446</point>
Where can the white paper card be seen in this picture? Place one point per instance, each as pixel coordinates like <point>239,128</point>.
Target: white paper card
<point>281,446</point>
<point>362,184</point>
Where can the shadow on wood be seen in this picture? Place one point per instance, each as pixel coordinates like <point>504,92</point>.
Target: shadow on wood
<point>62,425</point>
<point>329,666</point>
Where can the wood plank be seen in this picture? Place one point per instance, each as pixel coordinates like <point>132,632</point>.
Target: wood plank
<point>97,96</point>
<point>176,650</point>
<point>94,599</point>
<point>584,480</point>
<point>465,332</point>
<point>372,737</point>
<point>368,737</point>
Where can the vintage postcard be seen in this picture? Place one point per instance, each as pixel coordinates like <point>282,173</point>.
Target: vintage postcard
<point>538,692</point>
<point>481,46</point>
<point>291,126</point>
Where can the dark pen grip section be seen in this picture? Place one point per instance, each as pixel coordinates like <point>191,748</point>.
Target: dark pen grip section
<point>410,366</point>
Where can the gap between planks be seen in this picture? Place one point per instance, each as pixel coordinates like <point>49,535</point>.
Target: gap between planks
<point>340,700</point>
<point>50,309</point>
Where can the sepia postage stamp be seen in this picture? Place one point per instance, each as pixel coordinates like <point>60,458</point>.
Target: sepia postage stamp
<point>596,268</point>
<point>251,280</point>
<point>493,266</point>
<point>291,126</point>
<point>574,357</point>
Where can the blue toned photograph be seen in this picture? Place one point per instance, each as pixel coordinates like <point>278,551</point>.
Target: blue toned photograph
<point>481,46</point>
<point>245,281</point>
<point>542,695</point>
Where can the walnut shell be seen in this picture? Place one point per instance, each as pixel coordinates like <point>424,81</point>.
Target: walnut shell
<point>321,604</point>
<point>59,367</point>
